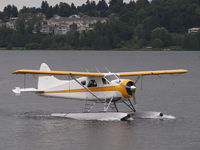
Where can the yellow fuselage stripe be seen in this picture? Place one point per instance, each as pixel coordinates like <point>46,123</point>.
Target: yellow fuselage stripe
<point>96,89</point>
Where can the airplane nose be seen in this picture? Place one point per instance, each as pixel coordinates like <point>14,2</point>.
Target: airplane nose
<point>133,88</point>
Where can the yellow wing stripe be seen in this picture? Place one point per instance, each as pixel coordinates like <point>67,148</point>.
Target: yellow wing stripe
<point>42,75</point>
<point>25,71</point>
<point>159,72</point>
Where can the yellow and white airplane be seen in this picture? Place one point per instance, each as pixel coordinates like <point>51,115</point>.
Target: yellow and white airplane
<point>107,88</point>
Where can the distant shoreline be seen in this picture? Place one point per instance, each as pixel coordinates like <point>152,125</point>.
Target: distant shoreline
<point>145,49</point>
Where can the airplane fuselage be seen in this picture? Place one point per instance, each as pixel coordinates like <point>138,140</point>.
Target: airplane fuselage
<point>71,89</point>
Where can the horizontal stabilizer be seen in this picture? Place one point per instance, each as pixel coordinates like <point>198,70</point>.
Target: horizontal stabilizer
<point>18,90</point>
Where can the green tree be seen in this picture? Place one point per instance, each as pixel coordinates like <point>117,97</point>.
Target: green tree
<point>141,4</point>
<point>177,39</point>
<point>162,34</point>
<point>14,11</point>
<point>157,43</point>
<point>90,8</point>
<point>50,12</point>
<point>116,6</point>
<point>139,31</point>
<point>73,27</point>
<point>20,24</point>
<point>5,36</point>
<point>101,42</point>
<point>44,7</point>
<point>102,7</point>
<point>192,41</point>
<point>32,46</point>
<point>72,38</point>
<point>64,10</point>
<point>27,23</point>
<point>7,11</point>
<point>2,15</point>
<point>10,11</point>
<point>73,8</point>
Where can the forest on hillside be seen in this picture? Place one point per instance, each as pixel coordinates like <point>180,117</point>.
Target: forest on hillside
<point>160,24</point>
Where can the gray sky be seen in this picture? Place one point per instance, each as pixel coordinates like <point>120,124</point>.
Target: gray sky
<point>37,3</point>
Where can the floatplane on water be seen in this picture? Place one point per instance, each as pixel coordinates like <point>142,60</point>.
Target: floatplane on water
<point>106,88</point>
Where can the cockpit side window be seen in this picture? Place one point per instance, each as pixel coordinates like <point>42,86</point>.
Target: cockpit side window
<point>83,82</point>
<point>92,83</point>
<point>111,77</point>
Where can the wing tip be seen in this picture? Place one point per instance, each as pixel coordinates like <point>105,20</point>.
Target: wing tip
<point>17,71</point>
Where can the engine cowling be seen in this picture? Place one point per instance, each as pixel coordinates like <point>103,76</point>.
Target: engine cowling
<point>129,88</point>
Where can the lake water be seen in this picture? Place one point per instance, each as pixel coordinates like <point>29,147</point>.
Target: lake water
<point>25,122</point>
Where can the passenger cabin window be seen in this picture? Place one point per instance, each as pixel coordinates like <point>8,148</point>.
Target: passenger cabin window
<point>83,82</point>
<point>104,81</point>
<point>92,83</point>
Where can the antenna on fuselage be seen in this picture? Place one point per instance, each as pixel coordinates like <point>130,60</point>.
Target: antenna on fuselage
<point>97,69</point>
<point>141,79</point>
<point>107,70</point>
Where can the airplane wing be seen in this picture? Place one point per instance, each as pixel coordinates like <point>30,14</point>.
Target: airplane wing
<point>157,72</point>
<point>26,71</point>
<point>138,73</point>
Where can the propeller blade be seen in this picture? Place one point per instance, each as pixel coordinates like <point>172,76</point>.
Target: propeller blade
<point>134,99</point>
<point>137,79</point>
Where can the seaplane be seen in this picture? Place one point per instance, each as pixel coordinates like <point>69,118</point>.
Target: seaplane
<point>108,89</point>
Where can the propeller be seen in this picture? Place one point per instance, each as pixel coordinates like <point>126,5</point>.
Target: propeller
<point>133,95</point>
<point>134,99</point>
<point>137,79</point>
<point>131,88</point>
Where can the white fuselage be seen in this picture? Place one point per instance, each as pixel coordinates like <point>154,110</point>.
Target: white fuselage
<point>71,89</point>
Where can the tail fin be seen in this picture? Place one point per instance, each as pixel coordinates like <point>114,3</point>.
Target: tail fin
<point>46,81</point>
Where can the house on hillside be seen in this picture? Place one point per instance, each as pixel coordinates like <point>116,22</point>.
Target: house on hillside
<point>61,29</point>
<point>43,16</point>
<point>62,25</point>
<point>11,24</point>
<point>47,29</point>
<point>193,30</point>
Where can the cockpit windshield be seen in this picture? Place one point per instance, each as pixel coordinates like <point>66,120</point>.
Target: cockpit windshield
<point>111,77</point>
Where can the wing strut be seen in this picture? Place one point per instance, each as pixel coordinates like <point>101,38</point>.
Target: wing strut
<point>130,106</point>
<point>106,105</point>
<point>84,87</point>
<point>24,81</point>
<point>115,106</point>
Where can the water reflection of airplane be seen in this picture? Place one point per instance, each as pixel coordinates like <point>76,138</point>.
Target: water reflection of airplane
<point>93,88</point>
